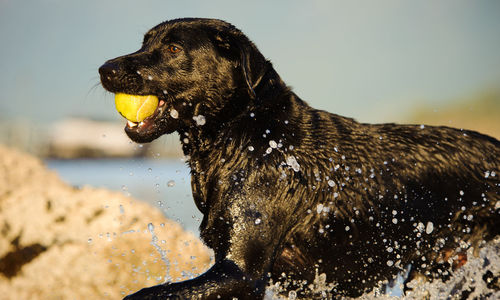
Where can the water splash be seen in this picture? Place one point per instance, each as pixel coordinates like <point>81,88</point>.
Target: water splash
<point>474,280</point>
<point>163,253</point>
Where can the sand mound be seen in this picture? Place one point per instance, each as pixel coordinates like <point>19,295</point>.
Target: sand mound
<point>59,242</point>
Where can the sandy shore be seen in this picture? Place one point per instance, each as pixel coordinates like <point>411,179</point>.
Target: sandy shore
<point>58,242</point>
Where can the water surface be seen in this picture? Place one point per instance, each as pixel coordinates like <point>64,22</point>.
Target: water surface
<point>163,183</point>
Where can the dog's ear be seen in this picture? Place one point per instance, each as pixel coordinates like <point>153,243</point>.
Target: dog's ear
<point>237,47</point>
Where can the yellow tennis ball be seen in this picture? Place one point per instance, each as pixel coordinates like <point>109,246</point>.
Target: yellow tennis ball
<point>135,108</point>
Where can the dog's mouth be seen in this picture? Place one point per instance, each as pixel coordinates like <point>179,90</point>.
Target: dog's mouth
<point>148,121</point>
<point>144,115</point>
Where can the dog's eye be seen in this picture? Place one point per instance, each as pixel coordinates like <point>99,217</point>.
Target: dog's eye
<point>173,49</point>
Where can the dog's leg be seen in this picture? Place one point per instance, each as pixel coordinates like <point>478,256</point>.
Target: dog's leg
<point>244,256</point>
<point>224,280</point>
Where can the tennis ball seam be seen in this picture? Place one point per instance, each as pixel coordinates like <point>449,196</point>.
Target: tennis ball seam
<point>140,108</point>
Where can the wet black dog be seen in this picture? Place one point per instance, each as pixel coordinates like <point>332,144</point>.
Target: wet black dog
<point>296,195</point>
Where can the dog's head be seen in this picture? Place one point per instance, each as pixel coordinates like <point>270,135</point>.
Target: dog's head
<point>202,70</point>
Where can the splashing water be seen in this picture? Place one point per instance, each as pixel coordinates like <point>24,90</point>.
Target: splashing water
<point>471,281</point>
<point>163,253</point>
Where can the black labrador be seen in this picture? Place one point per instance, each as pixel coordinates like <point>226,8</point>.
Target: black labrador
<point>292,194</point>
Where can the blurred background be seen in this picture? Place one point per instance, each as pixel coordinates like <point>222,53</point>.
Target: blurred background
<point>422,62</point>
<point>385,61</point>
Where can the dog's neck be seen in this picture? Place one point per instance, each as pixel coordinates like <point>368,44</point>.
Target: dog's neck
<point>264,96</point>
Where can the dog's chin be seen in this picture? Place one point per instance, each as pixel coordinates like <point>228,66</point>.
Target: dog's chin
<point>152,127</point>
<point>141,136</point>
<point>148,130</point>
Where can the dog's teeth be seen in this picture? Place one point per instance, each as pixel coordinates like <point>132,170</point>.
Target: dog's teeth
<point>131,124</point>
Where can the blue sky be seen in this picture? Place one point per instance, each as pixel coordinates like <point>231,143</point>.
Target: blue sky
<point>372,60</point>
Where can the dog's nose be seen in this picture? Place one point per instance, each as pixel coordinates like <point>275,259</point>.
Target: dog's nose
<point>108,71</point>
<point>109,75</point>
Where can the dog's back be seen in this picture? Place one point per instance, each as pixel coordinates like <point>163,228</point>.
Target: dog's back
<point>372,199</point>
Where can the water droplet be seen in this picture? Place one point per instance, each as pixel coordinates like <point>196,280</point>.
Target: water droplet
<point>292,162</point>
<point>250,148</point>
<point>174,113</point>
<point>257,221</point>
<point>347,228</point>
<point>390,263</point>
<point>151,227</point>
<point>331,183</point>
<point>429,228</point>
<point>200,120</point>
<point>273,144</point>
<point>89,240</point>
<point>170,183</point>
<point>122,210</point>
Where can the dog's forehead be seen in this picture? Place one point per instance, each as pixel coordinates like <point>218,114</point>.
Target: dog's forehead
<point>164,33</point>
<point>185,30</point>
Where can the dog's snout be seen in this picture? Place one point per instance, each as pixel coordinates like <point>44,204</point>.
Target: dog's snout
<point>108,70</point>
<point>110,75</point>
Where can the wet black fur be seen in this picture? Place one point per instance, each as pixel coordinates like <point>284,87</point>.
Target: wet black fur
<point>355,192</point>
